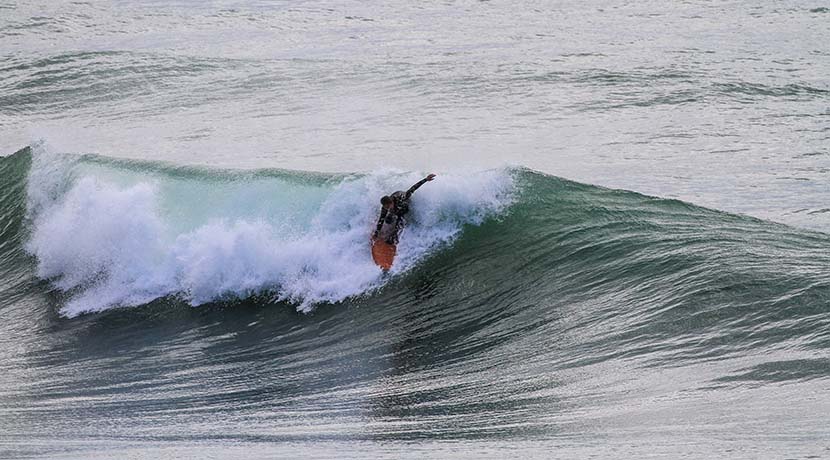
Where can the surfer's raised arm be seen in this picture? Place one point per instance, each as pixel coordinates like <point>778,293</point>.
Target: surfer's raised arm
<point>420,183</point>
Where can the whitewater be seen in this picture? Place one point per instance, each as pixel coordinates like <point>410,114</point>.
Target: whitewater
<point>126,233</point>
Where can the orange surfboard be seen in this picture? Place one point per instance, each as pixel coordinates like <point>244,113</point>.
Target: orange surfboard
<point>383,253</point>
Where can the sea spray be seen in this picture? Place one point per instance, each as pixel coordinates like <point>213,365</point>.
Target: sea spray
<point>114,236</point>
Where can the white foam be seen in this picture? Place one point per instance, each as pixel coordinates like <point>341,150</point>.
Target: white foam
<point>112,244</point>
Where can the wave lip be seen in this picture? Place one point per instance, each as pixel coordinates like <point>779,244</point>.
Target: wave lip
<point>111,236</point>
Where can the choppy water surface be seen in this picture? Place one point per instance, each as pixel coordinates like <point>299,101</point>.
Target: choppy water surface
<point>184,269</point>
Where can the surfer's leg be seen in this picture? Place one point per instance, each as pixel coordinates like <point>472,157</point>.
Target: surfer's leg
<point>399,225</point>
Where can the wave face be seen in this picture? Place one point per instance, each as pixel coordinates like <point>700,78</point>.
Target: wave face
<point>524,307</point>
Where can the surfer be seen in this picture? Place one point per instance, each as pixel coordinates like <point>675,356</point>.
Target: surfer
<point>393,209</point>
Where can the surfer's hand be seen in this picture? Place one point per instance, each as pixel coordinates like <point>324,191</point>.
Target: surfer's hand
<point>431,176</point>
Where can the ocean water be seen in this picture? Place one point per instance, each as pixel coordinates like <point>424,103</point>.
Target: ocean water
<point>625,252</point>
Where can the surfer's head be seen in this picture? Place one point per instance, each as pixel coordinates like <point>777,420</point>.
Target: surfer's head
<point>387,201</point>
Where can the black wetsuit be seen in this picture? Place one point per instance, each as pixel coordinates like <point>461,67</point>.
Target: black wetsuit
<point>390,223</point>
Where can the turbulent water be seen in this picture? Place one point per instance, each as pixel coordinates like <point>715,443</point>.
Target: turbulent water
<point>188,189</point>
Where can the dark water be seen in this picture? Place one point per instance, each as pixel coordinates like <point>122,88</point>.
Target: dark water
<point>574,321</point>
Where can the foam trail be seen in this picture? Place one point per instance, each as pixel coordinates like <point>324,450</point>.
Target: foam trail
<point>112,237</point>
